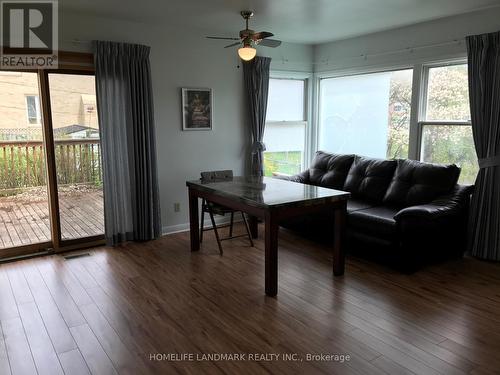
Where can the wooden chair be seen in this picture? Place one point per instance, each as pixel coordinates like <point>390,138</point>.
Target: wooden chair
<point>217,209</point>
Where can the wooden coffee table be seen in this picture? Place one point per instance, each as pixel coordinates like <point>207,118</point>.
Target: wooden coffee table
<point>272,200</point>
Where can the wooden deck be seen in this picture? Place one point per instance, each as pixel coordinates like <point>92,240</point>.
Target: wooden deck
<point>24,221</point>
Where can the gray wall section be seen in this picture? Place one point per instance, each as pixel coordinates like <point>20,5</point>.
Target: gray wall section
<point>290,57</point>
<point>184,58</point>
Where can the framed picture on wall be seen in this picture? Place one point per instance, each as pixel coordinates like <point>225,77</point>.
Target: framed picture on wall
<point>196,109</point>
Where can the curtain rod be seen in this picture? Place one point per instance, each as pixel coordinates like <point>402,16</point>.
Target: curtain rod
<point>326,61</point>
<point>407,49</point>
<point>396,51</point>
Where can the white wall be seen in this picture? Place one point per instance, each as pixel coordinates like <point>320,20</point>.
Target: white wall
<point>184,58</point>
<point>347,54</point>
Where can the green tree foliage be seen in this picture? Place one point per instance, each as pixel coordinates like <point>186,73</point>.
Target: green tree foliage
<point>448,94</point>
<point>399,116</point>
<point>448,100</point>
<point>282,162</point>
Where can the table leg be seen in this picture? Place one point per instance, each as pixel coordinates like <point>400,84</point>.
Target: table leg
<point>194,228</point>
<point>271,249</point>
<point>338,245</point>
<point>254,226</point>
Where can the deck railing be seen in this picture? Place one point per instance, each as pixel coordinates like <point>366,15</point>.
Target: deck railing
<point>22,163</point>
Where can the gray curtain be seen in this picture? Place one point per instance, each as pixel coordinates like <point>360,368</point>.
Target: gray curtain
<point>484,90</point>
<point>125,109</point>
<point>256,75</point>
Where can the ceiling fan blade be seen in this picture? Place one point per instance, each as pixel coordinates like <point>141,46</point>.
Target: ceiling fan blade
<point>233,45</point>
<point>273,43</point>
<point>262,35</point>
<point>221,38</point>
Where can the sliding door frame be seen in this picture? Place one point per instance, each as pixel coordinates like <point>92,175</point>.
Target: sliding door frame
<point>50,159</point>
<point>76,64</point>
<point>69,63</point>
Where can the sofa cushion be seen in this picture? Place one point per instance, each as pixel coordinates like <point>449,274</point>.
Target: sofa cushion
<point>375,221</point>
<point>369,178</point>
<point>356,205</point>
<point>329,170</point>
<point>416,182</point>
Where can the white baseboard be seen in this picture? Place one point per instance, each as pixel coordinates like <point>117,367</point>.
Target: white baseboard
<point>219,220</point>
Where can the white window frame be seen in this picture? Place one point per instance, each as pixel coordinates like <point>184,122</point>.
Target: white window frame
<point>418,101</point>
<point>308,120</point>
<point>422,107</point>
<point>37,110</point>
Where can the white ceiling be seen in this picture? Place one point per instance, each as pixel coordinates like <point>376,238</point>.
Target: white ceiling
<point>302,21</point>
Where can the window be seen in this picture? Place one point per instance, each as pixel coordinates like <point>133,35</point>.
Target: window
<point>445,129</point>
<point>33,109</point>
<point>448,94</point>
<point>367,114</point>
<point>284,134</point>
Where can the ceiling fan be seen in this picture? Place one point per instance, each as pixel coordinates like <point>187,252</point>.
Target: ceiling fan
<point>249,39</point>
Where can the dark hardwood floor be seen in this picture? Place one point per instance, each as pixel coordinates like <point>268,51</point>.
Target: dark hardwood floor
<point>109,312</point>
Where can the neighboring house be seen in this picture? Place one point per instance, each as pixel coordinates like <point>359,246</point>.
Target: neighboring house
<point>76,132</point>
<point>73,101</point>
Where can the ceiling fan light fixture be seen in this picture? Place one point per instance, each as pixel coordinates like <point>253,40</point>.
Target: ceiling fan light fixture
<point>248,39</point>
<point>247,53</point>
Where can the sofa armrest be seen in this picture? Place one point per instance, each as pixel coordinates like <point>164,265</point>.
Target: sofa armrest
<point>302,177</point>
<point>446,206</point>
<point>280,175</point>
<point>437,227</point>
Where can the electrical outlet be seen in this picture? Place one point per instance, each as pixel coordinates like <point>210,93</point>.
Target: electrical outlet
<point>177,207</point>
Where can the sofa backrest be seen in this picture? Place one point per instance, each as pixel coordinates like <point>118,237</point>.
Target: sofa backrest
<point>329,170</point>
<point>416,183</point>
<point>369,178</point>
<point>400,183</point>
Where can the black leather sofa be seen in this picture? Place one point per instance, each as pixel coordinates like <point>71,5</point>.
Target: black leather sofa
<point>416,211</point>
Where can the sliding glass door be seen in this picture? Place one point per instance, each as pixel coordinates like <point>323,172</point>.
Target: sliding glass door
<point>24,207</point>
<point>75,130</point>
<point>50,162</point>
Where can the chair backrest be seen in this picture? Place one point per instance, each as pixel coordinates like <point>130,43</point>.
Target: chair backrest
<point>216,176</point>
